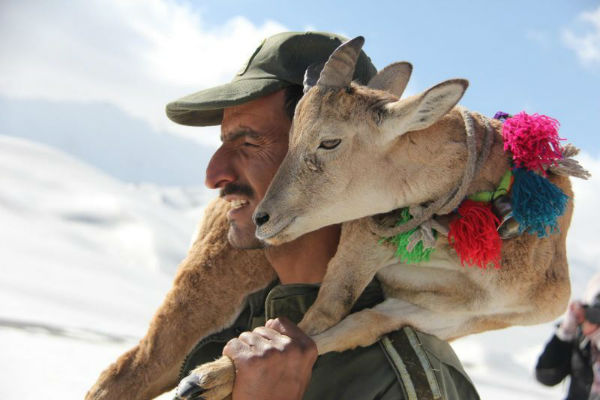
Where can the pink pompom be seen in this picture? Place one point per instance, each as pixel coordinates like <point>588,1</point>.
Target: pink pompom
<point>533,141</point>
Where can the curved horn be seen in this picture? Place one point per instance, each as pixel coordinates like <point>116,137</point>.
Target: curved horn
<point>339,69</point>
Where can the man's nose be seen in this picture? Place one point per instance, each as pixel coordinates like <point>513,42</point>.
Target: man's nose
<point>220,171</point>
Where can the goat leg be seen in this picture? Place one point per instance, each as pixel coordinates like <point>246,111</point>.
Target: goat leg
<point>358,258</point>
<point>207,295</point>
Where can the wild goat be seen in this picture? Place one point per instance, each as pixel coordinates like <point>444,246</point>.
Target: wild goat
<point>355,152</point>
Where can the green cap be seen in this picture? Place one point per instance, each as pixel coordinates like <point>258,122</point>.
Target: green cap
<point>278,62</point>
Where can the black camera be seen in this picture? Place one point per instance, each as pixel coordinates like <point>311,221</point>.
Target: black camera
<point>592,313</point>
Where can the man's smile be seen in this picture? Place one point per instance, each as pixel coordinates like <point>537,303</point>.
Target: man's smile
<point>238,203</point>
<point>239,207</point>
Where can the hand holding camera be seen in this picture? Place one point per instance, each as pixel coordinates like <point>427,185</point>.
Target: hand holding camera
<point>573,318</point>
<point>585,315</point>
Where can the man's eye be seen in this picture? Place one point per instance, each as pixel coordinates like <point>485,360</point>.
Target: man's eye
<point>330,144</point>
<point>248,144</point>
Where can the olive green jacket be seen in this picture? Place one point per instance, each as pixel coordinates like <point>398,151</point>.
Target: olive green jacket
<point>405,364</point>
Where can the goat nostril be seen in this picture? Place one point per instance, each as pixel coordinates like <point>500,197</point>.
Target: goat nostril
<point>261,218</point>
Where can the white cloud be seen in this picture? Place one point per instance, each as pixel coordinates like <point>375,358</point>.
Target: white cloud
<point>586,44</point>
<point>137,55</point>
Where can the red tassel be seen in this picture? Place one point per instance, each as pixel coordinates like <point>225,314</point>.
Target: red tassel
<point>474,235</point>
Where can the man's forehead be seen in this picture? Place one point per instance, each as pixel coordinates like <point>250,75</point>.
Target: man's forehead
<point>271,103</point>
<point>252,122</point>
<point>255,118</point>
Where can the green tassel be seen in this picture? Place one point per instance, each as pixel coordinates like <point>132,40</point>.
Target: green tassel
<point>418,254</point>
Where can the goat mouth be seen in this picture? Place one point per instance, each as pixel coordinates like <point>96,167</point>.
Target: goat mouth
<point>270,230</point>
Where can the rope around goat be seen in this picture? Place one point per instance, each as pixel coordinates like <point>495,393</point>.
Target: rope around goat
<point>423,216</point>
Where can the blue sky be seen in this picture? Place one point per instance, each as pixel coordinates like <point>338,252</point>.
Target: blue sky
<point>513,52</point>
<point>132,57</point>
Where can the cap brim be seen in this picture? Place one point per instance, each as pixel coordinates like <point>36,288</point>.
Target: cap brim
<point>205,108</point>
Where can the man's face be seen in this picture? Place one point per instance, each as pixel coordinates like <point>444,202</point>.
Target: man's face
<point>255,141</point>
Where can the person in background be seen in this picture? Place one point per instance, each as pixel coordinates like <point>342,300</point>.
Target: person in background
<point>574,348</point>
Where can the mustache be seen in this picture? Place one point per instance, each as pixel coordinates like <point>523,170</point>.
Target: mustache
<point>236,188</point>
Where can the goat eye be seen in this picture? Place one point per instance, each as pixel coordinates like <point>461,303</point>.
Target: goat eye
<point>330,144</point>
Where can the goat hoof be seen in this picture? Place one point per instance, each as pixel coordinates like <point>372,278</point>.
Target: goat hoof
<point>189,388</point>
<point>211,381</point>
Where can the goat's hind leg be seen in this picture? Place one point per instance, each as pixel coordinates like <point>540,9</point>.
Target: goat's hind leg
<point>211,381</point>
<point>207,295</point>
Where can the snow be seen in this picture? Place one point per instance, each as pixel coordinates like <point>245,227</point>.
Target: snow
<point>107,138</point>
<point>86,260</point>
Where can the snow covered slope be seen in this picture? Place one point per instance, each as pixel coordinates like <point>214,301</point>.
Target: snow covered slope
<point>85,260</point>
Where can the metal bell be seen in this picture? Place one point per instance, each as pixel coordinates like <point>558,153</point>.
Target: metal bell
<point>508,227</point>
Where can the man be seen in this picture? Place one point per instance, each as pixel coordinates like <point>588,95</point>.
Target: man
<point>574,349</point>
<point>275,359</point>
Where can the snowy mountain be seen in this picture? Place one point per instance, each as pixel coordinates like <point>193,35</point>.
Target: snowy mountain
<point>86,259</point>
<point>105,137</point>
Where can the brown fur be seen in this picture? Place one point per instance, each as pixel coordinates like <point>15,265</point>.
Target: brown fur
<point>379,170</point>
<point>531,287</point>
<point>207,295</point>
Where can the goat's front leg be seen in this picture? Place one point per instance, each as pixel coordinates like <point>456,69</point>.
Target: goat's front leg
<point>358,258</point>
<point>365,327</point>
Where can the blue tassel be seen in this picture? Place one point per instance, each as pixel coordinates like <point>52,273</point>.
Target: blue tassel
<point>536,202</point>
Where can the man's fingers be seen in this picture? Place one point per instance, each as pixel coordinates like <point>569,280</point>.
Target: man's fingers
<point>267,333</point>
<point>279,353</point>
<point>251,338</point>
<point>235,347</point>
<point>256,342</point>
<point>285,327</point>
<point>279,333</point>
<point>288,328</point>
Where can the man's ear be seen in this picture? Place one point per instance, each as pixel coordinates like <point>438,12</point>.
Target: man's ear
<point>423,110</point>
<point>392,78</point>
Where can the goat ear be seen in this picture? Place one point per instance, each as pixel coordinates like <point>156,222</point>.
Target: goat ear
<point>421,111</point>
<point>311,75</point>
<point>392,78</point>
